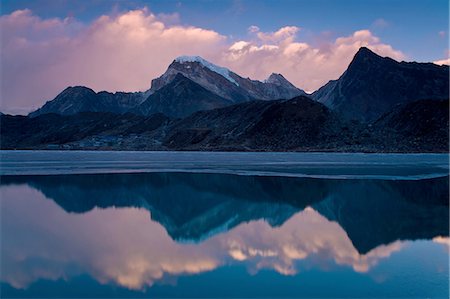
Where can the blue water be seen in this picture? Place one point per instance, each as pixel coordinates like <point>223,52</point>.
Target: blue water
<point>172,225</point>
<point>319,165</point>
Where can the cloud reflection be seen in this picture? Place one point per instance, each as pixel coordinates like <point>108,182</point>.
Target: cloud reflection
<point>124,246</point>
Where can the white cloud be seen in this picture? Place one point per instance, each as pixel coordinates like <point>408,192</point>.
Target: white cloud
<point>283,33</point>
<point>306,66</point>
<point>124,53</point>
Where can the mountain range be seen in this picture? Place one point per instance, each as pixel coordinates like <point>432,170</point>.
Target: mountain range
<point>189,84</point>
<point>377,105</point>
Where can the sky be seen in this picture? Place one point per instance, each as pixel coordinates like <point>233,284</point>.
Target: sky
<point>121,45</point>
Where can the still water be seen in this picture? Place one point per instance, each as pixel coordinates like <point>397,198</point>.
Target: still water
<point>277,231</point>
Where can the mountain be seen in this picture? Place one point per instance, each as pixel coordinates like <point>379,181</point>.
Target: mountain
<point>279,80</point>
<point>77,99</point>
<point>179,98</point>
<point>257,125</point>
<point>225,83</point>
<point>293,124</point>
<point>424,122</point>
<point>299,124</point>
<point>190,84</point>
<point>372,85</point>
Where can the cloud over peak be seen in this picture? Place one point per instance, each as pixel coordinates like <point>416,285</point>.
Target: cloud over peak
<point>125,51</point>
<point>306,65</point>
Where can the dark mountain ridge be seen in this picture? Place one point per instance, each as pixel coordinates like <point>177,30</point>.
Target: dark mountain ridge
<point>300,124</point>
<point>270,125</point>
<point>77,99</point>
<point>372,85</point>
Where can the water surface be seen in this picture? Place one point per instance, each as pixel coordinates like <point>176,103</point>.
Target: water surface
<point>318,165</point>
<point>195,234</point>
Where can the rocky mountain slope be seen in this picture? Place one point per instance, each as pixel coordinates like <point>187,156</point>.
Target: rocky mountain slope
<point>226,83</point>
<point>179,98</point>
<point>300,124</point>
<point>372,85</point>
<point>424,122</point>
<point>270,125</point>
<point>77,99</point>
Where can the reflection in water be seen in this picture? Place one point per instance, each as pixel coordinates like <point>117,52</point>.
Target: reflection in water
<point>101,225</point>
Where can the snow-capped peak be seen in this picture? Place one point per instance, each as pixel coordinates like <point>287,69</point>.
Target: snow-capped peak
<point>274,78</point>
<point>224,72</point>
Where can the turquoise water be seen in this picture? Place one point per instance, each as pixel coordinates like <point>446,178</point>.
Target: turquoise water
<point>383,233</point>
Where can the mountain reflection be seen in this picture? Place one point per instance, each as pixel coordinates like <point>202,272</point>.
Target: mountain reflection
<point>200,222</point>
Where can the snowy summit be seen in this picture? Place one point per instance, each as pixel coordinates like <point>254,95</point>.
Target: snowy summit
<point>215,68</point>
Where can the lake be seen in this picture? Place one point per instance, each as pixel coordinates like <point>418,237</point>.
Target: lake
<point>235,225</point>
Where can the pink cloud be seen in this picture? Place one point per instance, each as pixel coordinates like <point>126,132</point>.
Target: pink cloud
<point>306,66</point>
<point>442,61</point>
<point>445,60</point>
<point>124,52</point>
<point>43,56</point>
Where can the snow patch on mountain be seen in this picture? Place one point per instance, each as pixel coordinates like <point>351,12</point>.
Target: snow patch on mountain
<point>224,72</point>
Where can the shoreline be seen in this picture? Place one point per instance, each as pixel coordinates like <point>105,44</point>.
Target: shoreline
<point>223,151</point>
